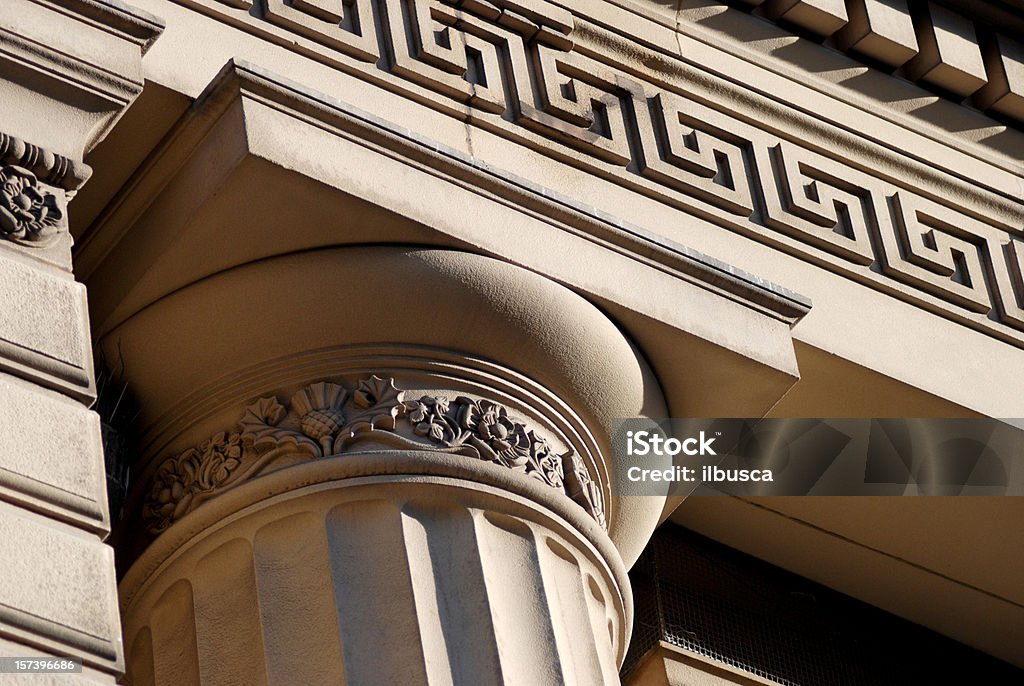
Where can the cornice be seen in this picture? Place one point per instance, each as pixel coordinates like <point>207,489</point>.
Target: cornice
<point>53,51</point>
<point>959,49</point>
<point>800,172</point>
<point>633,23</point>
<point>741,68</point>
<point>130,22</point>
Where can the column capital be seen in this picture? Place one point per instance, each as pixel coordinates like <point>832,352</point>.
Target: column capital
<point>277,350</point>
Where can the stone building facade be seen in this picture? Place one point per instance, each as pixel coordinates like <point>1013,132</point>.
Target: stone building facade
<point>362,287</point>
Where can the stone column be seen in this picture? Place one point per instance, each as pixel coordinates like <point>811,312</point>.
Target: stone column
<point>397,472</point>
<point>68,70</point>
<point>382,567</point>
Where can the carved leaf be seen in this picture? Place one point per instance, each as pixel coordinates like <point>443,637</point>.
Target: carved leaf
<point>323,396</point>
<point>581,488</point>
<point>259,423</point>
<point>380,404</point>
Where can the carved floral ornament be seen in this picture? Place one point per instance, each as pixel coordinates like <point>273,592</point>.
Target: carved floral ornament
<point>28,214</point>
<point>324,419</point>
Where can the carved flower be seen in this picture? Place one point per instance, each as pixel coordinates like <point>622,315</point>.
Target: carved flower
<point>26,212</point>
<point>428,408</point>
<point>319,407</point>
<point>197,470</point>
<point>168,498</point>
<point>494,429</point>
<point>220,455</point>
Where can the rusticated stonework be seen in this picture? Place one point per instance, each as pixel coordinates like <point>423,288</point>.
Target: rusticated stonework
<point>324,419</point>
<point>512,67</point>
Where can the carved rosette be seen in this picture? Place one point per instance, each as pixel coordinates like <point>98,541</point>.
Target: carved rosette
<point>29,215</point>
<point>325,419</point>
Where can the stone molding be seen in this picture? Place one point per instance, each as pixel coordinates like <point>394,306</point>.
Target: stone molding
<point>51,456</point>
<point>325,419</point>
<point>315,36</point>
<point>960,261</point>
<point>68,70</point>
<point>99,72</point>
<point>57,589</point>
<point>46,344</point>
<point>85,55</point>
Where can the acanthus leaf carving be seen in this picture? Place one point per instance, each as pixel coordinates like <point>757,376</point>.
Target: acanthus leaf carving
<point>261,427</point>
<point>324,419</point>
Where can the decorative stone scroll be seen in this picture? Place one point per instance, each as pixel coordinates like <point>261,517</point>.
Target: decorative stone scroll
<point>326,419</point>
<point>46,166</point>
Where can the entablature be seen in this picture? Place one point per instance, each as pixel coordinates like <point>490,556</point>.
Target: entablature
<point>798,171</point>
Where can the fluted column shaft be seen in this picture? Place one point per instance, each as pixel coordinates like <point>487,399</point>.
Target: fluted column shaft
<point>386,579</point>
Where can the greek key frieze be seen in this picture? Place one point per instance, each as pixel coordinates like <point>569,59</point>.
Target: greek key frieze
<point>580,103</point>
<point>344,25</point>
<point>513,68</point>
<point>813,199</point>
<point>682,150</point>
<point>966,262</point>
<point>456,53</point>
<point>1012,282</point>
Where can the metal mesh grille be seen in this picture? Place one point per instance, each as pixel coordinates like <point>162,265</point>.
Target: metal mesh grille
<point>702,596</point>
